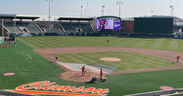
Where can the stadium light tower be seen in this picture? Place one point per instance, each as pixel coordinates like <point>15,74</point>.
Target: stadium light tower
<point>171,10</point>
<point>49,10</point>
<point>119,3</point>
<point>87,3</point>
<point>152,12</point>
<point>103,7</point>
<point>81,11</point>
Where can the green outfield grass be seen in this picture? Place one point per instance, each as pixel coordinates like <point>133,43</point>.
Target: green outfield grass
<point>73,41</point>
<point>129,61</point>
<point>30,67</point>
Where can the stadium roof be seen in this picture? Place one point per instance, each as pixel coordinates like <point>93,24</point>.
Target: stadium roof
<point>78,19</point>
<point>14,16</point>
<point>157,16</point>
<point>160,17</point>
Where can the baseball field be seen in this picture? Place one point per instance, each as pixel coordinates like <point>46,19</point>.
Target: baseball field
<point>145,63</point>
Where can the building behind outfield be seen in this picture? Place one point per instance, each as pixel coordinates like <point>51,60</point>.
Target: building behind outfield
<point>157,25</point>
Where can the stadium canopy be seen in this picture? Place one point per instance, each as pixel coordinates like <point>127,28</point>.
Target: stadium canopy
<point>14,16</point>
<point>108,17</point>
<point>76,19</point>
<point>161,16</point>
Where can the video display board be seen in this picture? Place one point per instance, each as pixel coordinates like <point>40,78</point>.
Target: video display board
<point>108,24</point>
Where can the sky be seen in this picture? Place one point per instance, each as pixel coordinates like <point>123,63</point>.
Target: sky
<point>130,8</point>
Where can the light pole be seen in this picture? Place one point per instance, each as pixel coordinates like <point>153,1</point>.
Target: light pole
<point>172,10</point>
<point>49,11</point>
<point>103,10</point>
<point>119,3</point>
<point>151,12</point>
<point>86,7</point>
<point>81,11</point>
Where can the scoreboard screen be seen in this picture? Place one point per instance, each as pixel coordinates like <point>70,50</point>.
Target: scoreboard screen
<point>108,24</point>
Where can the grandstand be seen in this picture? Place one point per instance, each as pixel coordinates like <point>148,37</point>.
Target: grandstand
<point>26,25</point>
<point>48,28</point>
<point>65,26</point>
<point>77,26</point>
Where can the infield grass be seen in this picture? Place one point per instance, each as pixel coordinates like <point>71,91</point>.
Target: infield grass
<point>129,61</point>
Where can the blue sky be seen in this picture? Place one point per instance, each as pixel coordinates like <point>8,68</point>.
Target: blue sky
<point>130,8</point>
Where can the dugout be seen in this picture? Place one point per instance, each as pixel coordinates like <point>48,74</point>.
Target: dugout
<point>157,25</point>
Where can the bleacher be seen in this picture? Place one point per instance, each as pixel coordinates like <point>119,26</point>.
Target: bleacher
<point>76,26</point>
<point>12,28</point>
<point>32,28</point>
<point>53,27</point>
<point>86,27</point>
<point>43,27</point>
<point>69,26</point>
<point>0,31</point>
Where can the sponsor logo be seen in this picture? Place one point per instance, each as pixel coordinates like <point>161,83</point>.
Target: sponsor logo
<point>51,88</point>
<point>117,25</point>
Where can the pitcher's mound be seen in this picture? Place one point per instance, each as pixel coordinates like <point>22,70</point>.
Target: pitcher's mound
<point>110,59</point>
<point>77,76</point>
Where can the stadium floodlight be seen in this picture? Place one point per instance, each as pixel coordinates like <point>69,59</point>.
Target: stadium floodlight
<point>151,12</point>
<point>119,3</point>
<point>49,10</point>
<point>103,7</point>
<point>171,10</point>
<point>87,3</point>
<point>81,11</point>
